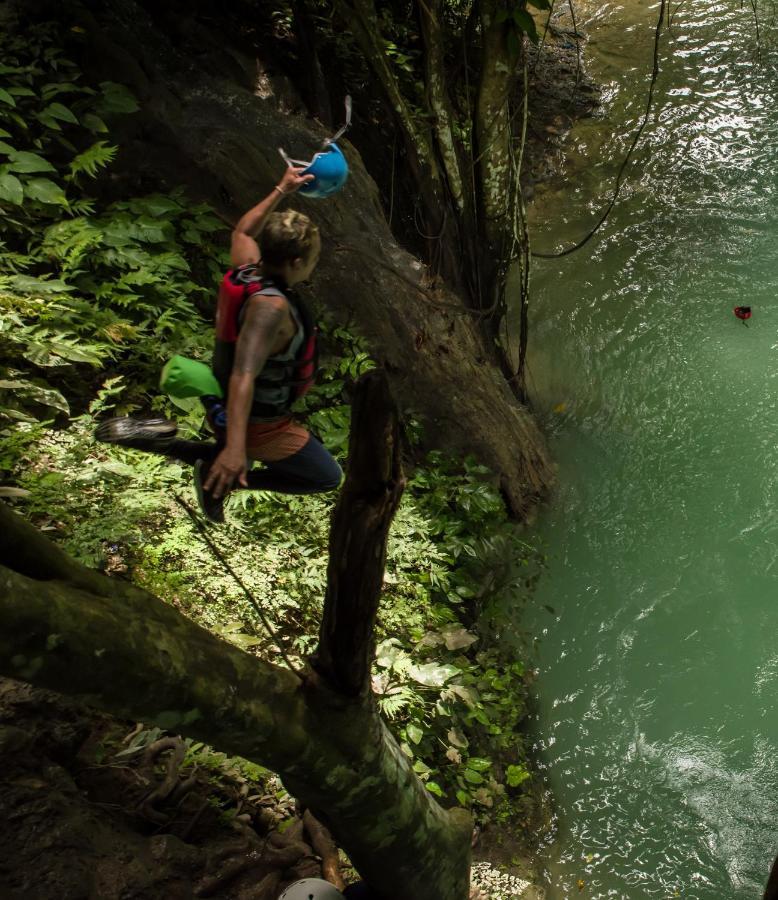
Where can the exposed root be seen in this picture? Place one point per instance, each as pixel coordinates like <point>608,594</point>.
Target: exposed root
<point>326,848</point>
<point>147,805</point>
<point>267,889</point>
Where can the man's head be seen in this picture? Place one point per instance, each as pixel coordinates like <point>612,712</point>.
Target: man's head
<point>289,245</point>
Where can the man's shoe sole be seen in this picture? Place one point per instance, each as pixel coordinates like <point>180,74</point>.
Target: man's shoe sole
<point>136,433</point>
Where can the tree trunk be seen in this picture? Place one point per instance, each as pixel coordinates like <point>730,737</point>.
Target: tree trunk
<point>360,527</point>
<point>493,131</point>
<point>124,651</point>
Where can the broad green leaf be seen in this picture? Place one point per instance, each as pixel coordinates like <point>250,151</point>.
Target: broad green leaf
<point>433,674</point>
<point>456,738</point>
<point>388,652</point>
<point>63,87</point>
<point>244,641</point>
<point>24,161</point>
<point>116,98</point>
<point>467,694</point>
<point>6,148</point>
<point>515,775</point>
<point>94,123</point>
<point>457,637</point>
<point>114,467</point>
<point>435,788</point>
<point>463,798</point>
<point>48,121</point>
<point>36,394</point>
<point>7,98</point>
<point>430,639</point>
<point>20,91</point>
<point>14,117</point>
<point>478,764</point>
<point>61,112</point>
<point>4,133</point>
<point>11,189</point>
<point>415,734</point>
<point>525,23</point>
<point>473,777</point>
<point>45,191</point>
<point>159,205</point>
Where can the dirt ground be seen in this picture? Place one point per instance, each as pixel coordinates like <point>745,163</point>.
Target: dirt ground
<point>79,821</point>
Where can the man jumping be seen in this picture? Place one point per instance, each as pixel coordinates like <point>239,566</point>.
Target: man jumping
<point>264,359</point>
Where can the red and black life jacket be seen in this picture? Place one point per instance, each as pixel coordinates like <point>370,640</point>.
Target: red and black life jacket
<point>286,376</point>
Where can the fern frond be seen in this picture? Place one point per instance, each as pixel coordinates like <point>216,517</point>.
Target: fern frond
<point>97,157</point>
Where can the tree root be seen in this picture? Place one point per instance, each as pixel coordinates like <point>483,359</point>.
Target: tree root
<point>267,889</point>
<point>277,859</point>
<point>185,834</point>
<point>326,848</point>
<point>147,805</point>
<point>292,835</point>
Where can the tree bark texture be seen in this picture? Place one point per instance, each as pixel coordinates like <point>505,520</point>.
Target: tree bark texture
<point>438,99</point>
<point>123,650</point>
<point>360,527</point>
<point>493,129</point>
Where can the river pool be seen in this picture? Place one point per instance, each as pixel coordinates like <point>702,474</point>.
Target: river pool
<point>657,719</point>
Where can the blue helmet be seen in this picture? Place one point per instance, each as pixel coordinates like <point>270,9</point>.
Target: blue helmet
<point>329,166</point>
<point>330,171</point>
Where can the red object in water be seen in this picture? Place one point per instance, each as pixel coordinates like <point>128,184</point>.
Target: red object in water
<point>743,312</point>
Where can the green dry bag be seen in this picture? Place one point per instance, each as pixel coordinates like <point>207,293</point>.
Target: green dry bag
<point>182,378</point>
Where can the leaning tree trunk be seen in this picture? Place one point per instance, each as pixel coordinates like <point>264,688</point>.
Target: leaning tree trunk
<point>123,650</point>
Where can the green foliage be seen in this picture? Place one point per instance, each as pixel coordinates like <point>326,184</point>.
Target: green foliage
<point>82,288</point>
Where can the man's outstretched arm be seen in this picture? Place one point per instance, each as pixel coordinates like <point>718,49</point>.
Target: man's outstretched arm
<point>258,338</point>
<point>244,248</point>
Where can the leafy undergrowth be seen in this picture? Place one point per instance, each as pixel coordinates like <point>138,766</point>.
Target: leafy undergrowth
<point>94,294</point>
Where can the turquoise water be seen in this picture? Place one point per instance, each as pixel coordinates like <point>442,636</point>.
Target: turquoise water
<point>658,671</point>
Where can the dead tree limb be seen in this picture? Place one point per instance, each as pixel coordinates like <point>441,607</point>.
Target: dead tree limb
<point>360,526</point>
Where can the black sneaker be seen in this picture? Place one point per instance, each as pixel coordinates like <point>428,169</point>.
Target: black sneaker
<point>211,507</point>
<point>138,434</point>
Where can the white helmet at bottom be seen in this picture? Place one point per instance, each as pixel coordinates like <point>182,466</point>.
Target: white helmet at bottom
<point>311,889</point>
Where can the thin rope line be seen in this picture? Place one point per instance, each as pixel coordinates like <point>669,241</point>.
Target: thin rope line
<point>218,554</point>
<point>638,133</point>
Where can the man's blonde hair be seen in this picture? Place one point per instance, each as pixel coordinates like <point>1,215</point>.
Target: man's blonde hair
<point>286,236</point>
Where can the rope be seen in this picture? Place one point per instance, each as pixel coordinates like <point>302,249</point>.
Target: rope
<point>220,557</point>
<point>636,138</point>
